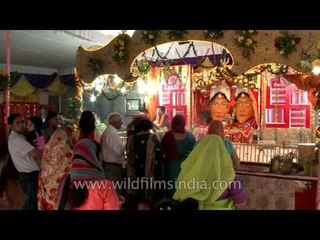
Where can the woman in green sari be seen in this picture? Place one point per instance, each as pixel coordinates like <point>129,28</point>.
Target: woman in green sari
<point>208,176</point>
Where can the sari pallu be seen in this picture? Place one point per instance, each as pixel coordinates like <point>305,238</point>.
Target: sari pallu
<point>208,163</point>
<point>87,170</point>
<point>56,162</point>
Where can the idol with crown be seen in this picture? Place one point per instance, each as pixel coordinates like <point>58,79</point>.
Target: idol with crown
<point>219,105</point>
<point>245,119</point>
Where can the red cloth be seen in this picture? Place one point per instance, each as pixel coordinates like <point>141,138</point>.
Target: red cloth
<point>169,142</point>
<point>306,200</point>
<point>169,146</point>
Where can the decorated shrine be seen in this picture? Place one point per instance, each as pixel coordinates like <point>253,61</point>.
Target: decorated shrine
<point>262,84</point>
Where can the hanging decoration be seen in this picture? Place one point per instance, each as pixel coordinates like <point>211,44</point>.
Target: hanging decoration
<point>207,77</point>
<point>177,35</point>
<point>121,52</point>
<point>286,43</point>
<point>96,65</point>
<point>157,59</point>
<point>109,86</point>
<point>140,67</point>
<point>26,109</point>
<point>74,108</point>
<point>33,97</point>
<point>22,88</point>
<point>150,36</point>
<point>56,86</point>
<point>213,34</point>
<point>245,42</point>
<point>308,60</point>
<point>75,105</point>
<point>248,79</point>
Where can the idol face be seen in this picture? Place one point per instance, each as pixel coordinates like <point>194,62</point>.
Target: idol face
<point>244,108</point>
<point>219,107</point>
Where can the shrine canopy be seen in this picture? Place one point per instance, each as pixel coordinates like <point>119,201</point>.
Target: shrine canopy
<point>191,52</point>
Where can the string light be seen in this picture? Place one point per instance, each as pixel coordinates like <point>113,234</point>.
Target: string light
<point>25,109</point>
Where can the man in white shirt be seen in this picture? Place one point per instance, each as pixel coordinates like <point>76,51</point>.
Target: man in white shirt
<point>112,150</point>
<point>26,160</point>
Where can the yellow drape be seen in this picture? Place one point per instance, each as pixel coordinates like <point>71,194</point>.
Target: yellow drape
<point>22,88</point>
<point>56,86</point>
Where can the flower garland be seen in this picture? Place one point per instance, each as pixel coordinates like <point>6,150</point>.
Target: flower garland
<point>247,79</point>
<point>96,66</point>
<point>307,60</point>
<point>215,34</point>
<point>4,80</point>
<point>150,36</point>
<point>177,35</point>
<point>245,42</point>
<point>74,108</point>
<point>286,43</point>
<point>121,52</point>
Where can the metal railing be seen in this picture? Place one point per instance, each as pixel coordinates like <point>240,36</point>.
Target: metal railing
<point>258,153</point>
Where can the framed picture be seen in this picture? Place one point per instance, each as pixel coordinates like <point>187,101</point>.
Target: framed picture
<point>132,105</point>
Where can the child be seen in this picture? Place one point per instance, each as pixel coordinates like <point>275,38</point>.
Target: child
<point>145,204</point>
<point>35,133</point>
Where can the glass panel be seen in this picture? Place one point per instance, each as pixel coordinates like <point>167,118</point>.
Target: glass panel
<point>299,97</point>
<point>297,117</point>
<point>275,116</point>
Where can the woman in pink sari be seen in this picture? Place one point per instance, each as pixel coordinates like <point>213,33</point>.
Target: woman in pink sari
<point>56,162</point>
<point>96,193</point>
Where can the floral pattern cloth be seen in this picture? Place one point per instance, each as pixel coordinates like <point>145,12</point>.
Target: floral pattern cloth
<point>56,162</point>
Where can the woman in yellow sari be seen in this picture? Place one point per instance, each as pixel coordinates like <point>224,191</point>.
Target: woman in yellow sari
<point>56,162</point>
<point>207,175</point>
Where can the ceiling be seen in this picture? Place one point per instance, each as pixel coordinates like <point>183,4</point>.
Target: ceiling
<point>53,49</point>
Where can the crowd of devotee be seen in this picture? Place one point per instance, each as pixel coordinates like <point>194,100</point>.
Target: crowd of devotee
<point>94,169</point>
